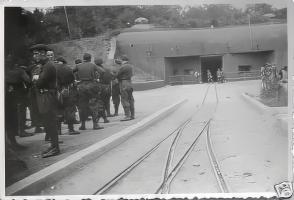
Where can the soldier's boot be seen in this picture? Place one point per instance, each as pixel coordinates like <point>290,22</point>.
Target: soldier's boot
<point>96,125</point>
<point>105,120</point>
<point>83,125</point>
<point>108,111</point>
<point>104,117</point>
<point>21,130</point>
<point>116,109</point>
<point>47,137</point>
<point>71,130</point>
<point>132,110</point>
<point>127,115</point>
<point>59,127</point>
<point>51,151</point>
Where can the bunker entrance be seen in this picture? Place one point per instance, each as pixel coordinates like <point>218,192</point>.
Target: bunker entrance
<point>212,63</point>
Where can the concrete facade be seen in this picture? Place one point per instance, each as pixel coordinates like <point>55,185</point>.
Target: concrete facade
<point>175,52</point>
<point>255,60</point>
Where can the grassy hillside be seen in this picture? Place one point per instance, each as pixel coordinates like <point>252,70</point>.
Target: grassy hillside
<point>97,47</point>
<point>74,49</point>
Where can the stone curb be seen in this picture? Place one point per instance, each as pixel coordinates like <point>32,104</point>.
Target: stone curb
<point>261,108</point>
<point>34,183</point>
<point>256,104</point>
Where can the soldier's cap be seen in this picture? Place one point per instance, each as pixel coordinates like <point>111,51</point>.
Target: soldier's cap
<point>124,58</point>
<point>61,59</point>
<point>78,61</point>
<point>23,67</point>
<point>87,56</point>
<point>50,52</point>
<point>98,61</point>
<point>39,47</point>
<point>117,61</point>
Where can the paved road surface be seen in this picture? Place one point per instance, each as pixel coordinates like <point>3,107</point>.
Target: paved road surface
<point>249,146</point>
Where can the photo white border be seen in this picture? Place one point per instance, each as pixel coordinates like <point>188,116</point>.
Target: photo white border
<point>48,3</point>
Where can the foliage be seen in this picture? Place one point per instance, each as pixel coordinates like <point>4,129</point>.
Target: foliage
<point>24,28</point>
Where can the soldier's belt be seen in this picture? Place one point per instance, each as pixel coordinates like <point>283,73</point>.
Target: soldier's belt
<point>46,90</point>
<point>86,80</point>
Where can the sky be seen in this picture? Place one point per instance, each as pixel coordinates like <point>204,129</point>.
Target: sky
<point>32,4</point>
<point>242,3</point>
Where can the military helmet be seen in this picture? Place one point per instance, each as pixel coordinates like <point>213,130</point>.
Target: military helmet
<point>61,59</point>
<point>124,58</point>
<point>87,57</point>
<point>78,61</point>
<point>98,61</point>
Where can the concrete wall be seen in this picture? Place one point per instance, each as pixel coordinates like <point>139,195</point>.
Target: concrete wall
<point>177,66</point>
<point>255,60</point>
<point>147,50</point>
<point>180,64</point>
<point>138,56</point>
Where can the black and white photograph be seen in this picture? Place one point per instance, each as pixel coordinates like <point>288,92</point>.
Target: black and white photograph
<point>132,99</point>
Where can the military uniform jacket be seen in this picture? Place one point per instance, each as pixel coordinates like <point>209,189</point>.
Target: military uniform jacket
<point>65,75</point>
<point>16,82</point>
<point>107,77</point>
<point>47,79</point>
<point>125,72</point>
<point>86,71</point>
<point>47,82</point>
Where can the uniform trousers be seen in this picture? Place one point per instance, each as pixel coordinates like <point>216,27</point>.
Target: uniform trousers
<point>127,99</point>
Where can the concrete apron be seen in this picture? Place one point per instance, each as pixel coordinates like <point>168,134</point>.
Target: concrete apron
<point>280,114</point>
<point>46,177</point>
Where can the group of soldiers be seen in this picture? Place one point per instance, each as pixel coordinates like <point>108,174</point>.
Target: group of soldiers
<point>219,74</point>
<point>53,91</point>
<point>270,76</point>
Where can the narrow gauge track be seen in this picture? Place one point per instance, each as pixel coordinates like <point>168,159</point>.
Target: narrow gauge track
<point>169,172</point>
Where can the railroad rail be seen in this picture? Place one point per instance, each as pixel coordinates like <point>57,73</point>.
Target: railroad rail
<point>169,172</point>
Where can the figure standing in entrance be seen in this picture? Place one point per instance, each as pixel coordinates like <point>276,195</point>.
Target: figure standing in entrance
<point>197,76</point>
<point>209,76</point>
<point>220,75</point>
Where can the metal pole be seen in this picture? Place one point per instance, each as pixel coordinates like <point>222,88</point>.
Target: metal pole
<point>250,31</point>
<point>67,22</point>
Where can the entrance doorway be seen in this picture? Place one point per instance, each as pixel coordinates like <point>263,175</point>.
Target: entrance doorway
<point>212,63</point>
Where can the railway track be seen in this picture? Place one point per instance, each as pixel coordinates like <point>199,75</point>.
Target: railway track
<point>170,171</point>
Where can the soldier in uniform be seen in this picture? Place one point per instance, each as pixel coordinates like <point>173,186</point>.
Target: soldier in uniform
<point>197,76</point>
<point>69,94</point>
<point>15,79</point>
<point>209,76</point>
<point>124,76</point>
<point>34,112</point>
<point>46,83</point>
<point>115,92</point>
<point>50,56</point>
<point>87,75</point>
<point>105,78</point>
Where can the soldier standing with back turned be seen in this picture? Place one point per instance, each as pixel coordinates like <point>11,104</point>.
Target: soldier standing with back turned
<point>115,92</point>
<point>69,94</point>
<point>87,75</point>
